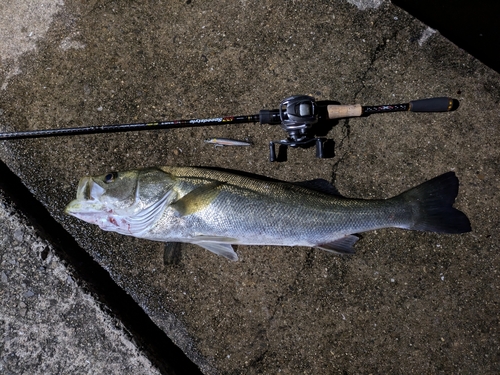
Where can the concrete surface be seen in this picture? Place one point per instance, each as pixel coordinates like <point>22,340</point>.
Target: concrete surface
<point>48,324</point>
<point>405,303</point>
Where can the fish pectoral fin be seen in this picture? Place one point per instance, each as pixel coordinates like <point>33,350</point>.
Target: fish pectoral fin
<point>197,199</point>
<point>219,248</point>
<point>144,219</point>
<point>341,246</point>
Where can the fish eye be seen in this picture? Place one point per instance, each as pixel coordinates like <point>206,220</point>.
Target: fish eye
<point>110,177</point>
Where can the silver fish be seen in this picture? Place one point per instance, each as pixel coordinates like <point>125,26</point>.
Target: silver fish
<point>216,209</point>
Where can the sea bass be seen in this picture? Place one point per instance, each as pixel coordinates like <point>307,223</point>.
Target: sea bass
<point>216,209</point>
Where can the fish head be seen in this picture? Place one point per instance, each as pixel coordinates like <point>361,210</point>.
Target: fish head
<point>124,202</point>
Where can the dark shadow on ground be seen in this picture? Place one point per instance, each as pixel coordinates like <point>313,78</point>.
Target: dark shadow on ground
<point>471,25</point>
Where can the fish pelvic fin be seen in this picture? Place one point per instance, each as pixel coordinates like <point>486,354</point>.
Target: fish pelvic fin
<point>197,199</point>
<point>341,246</point>
<point>171,253</point>
<point>219,248</point>
<point>432,204</point>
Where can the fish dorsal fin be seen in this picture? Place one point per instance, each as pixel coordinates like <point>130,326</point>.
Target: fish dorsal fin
<point>319,185</point>
<point>220,248</point>
<point>341,246</point>
<point>197,199</point>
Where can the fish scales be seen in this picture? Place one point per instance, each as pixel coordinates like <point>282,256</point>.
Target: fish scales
<point>215,209</point>
<point>275,210</point>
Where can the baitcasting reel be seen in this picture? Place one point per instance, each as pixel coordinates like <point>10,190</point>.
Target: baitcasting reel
<point>297,115</point>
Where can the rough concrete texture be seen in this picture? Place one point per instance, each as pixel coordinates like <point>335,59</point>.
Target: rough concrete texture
<point>407,302</point>
<point>48,325</point>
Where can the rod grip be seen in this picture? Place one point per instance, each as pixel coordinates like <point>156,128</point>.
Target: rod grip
<point>432,105</point>
<point>341,111</point>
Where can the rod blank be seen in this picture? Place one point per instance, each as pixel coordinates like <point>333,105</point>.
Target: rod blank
<point>442,104</point>
<point>128,127</point>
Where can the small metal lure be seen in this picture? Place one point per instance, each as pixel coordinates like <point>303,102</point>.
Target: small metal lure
<point>227,142</point>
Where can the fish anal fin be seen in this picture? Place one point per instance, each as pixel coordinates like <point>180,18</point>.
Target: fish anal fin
<point>343,245</point>
<point>197,199</point>
<point>219,248</point>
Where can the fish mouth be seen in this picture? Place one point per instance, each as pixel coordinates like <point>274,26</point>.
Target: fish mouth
<point>88,189</point>
<point>87,201</point>
<point>135,219</point>
<point>83,209</point>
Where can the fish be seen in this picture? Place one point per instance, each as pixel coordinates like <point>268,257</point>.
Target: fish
<point>216,209</point>
<point>227,142</point>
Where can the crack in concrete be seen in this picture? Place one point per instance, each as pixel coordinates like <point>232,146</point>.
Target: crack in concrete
<point>374,56</point>
<point>346,129</point>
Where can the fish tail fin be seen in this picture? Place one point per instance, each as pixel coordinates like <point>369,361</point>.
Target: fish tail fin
<point>433,211</point>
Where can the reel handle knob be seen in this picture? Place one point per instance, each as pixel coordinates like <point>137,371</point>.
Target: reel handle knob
<point>319,148</point>
<point>272,152</point>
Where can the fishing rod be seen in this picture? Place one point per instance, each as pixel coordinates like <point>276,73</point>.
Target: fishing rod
<point>296,115</point>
